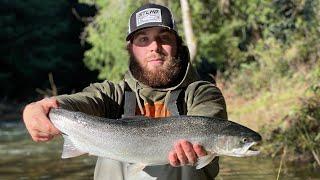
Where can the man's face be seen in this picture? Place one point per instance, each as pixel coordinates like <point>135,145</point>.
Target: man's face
<point>153,57</point>
<point>154,48</point>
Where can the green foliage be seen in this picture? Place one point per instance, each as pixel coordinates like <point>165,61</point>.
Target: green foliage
<point>219,35</point>
<point>299,132</point>
<point>286,37</point>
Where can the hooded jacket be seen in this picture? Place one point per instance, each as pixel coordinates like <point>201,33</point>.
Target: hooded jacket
<point>106,100</point>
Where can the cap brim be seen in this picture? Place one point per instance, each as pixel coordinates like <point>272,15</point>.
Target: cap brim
<point>130,35</point>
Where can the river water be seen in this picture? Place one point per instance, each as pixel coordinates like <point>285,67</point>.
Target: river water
<point>21,158</point>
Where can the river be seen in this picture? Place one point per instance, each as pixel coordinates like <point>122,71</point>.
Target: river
<point>21,158</point>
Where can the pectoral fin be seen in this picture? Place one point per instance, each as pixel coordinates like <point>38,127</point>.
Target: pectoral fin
<point>69,150</point>
<point>205,160</point>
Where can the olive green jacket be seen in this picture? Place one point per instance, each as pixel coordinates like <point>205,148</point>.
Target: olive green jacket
<point>106,100</point>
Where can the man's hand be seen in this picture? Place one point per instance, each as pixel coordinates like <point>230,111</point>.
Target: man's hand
<point>185,153</point>
<point>35,117</point>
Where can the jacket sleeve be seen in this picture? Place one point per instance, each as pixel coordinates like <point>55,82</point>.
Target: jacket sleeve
<point>99,99</point>
<point>205,99</point>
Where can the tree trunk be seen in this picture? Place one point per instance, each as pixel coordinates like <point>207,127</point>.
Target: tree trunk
<point>187,26</point>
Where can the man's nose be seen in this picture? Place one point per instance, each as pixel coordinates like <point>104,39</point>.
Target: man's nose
<point>155,45</point>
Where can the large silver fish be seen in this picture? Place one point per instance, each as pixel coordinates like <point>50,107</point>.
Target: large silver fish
<point>148,141</point>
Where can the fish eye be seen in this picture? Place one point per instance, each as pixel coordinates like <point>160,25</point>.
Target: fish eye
<point>244,140</point>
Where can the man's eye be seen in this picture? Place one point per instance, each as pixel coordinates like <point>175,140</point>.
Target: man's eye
<point>143,39</point>
<point>165,38</point>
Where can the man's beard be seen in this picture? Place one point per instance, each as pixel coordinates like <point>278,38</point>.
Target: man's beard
<point>166,76</point>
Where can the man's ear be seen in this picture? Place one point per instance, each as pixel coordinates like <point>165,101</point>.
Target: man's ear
<point>129,46</point>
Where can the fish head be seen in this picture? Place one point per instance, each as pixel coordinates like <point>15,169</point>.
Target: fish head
<point>237,140</point>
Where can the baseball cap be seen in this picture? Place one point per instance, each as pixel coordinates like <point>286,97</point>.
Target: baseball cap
<point>151,15</point>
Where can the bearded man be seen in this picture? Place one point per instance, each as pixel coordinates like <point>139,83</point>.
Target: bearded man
<point>160,82</point>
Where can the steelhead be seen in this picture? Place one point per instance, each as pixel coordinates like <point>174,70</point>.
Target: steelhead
<point>148,141</point>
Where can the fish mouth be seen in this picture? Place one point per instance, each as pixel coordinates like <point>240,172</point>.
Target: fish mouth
<point>246,150</point>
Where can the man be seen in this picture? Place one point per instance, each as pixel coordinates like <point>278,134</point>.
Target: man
<point>160,82</point>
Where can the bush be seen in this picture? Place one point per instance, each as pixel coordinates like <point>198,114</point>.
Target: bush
<point>299,131</point>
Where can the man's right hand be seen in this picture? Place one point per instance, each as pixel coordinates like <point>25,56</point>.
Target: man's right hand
<point>35,117</point>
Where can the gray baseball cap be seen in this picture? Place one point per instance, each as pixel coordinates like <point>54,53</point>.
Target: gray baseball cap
<point>151,15</point>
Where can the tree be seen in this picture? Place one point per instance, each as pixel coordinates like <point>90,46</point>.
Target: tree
<point>188,30</point>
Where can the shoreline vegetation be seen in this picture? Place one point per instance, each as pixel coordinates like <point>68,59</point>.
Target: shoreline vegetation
<point>287,114</point>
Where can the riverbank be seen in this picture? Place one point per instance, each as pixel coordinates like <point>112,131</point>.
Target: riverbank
<point>286,113</point>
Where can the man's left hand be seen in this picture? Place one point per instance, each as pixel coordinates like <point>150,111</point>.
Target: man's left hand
<point>185,153</point>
